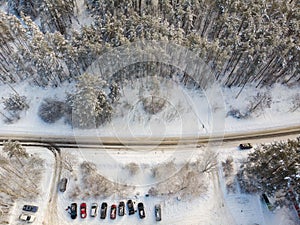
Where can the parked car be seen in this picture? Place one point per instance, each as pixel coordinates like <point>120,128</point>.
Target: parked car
<point>267,201</point>
<point>83,210</point>
<point>73,210</point>
<point>113,211</point>
<point>157,210</point>
<point>30,208</point>
<point>245,146</point>
<point>94,209</point>
<point>103,210</point>
<point>141,210</point>
<point>130,207</point>
<point>121,209</point>
<point>26,217</point>
<point>63,184</point>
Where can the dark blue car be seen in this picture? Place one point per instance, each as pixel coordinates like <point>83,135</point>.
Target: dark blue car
<point>30,208</point>
<point>73,211</point>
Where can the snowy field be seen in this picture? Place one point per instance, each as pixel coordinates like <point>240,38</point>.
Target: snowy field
<point>249,209</point>
<point>42,200</point>
<point>187,112</point>
<point>206,208</point>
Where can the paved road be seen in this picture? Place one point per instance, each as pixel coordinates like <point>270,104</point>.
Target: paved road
<point>88,141</point>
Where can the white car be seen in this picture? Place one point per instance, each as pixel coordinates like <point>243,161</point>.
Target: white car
<point>26,217</point>
<point>94,209</point>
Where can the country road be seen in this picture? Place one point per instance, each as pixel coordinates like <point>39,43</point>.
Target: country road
<point>87,141</point>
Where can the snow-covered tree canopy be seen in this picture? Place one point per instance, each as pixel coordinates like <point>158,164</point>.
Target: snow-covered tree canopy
<point>242,41</point>
<point>273,168</point>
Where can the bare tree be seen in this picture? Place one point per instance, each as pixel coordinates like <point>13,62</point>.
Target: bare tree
<point>68,161</point>
<point>208,162</point>
<point>96,185</point>
<point>15,149</point>
<point>132,167</point>
<point>228,166</point>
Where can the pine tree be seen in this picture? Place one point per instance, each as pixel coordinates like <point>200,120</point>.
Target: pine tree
<point>48,67</point>
<point>103,109</point>
<point>273,168</point>
<point>90,105</point>
<point>84,102</point>
<point>114,94</point>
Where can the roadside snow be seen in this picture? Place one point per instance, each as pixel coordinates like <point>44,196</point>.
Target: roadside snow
<point>187,112</point>
<point>249,209</point>
<point>42,200</point>
<point>215,206</point>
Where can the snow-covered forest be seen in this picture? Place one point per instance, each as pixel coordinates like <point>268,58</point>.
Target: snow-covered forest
<point>272,168</point>
<point>253,41</point>
<point>20,176</point>
<point>50,43</point>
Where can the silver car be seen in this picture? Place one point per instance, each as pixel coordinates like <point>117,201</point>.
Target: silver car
<point>157,212</point>
<point>94,209</point>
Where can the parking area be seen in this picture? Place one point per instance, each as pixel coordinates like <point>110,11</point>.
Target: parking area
<point>124,211</point>
<point>112,211</point>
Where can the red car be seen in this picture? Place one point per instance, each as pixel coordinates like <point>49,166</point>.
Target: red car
<point>113,211</point>
<point>82,210</point>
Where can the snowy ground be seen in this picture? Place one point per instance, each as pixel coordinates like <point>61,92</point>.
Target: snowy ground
<point>42,200</point>
<point>214,206</point>
<point>187,112</point>
<point>202,210</point>
<point>249,209</point>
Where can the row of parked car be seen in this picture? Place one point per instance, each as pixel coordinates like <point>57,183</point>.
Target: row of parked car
<point>28,217</point>
<point>113,210</point>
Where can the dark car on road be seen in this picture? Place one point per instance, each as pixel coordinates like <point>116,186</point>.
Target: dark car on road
<point>113,211</point>
<point>103,210</point>
<point>121,209</point>
<point>63,184</point>
<point>141,210</point>
<point>73,210</point>
<point>130,207</point>
<point>30,208</point>
<point>157,210</point>
<point>244,146</point>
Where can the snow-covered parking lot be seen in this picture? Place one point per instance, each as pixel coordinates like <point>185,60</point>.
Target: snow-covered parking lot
<point>213,205</point>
